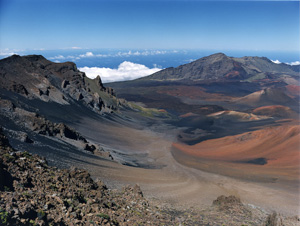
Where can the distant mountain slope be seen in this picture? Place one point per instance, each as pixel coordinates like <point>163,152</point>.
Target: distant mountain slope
<point>266,97</point>
<point>276,111</point>
<point>236,116</point>
<point>219,66</point>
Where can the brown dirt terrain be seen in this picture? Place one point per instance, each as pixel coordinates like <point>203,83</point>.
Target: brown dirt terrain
<point>276,111</point>
<point>179,182</point>
<point>33,193</point>
<point>293,90</point>
<point>279,147</point>
<point>193,92</point>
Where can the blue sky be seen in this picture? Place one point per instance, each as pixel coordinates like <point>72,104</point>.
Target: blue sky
<point>141,24</point>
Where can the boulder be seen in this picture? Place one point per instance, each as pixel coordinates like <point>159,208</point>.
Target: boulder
<point>19,88</point>
<point>65,83</point>
<point>274,220</point>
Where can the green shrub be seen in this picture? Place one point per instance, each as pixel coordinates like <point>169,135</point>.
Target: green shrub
<point>104,216</point>
<point>8,157</point>
<point>3,217</point>
<point>41,214</point>
<point>32,222</point>
<point>27,155</point>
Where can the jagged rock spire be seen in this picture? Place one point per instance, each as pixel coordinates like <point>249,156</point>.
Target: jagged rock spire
<point>99,81</point>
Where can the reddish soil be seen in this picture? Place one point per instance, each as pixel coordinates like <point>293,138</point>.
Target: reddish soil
<point>193,92</point>
<point>293,90</point>
<point>187,115</point>
<point>276,111</point>
<point>278,145</point>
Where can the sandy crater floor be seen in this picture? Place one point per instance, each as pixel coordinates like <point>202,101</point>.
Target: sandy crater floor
<point>175,184</point>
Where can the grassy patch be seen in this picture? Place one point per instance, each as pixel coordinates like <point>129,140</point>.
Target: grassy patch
<point>3,217</point>
<point>104,216</point>
<point>107,98</point>
<point>149,112</point>
<point>26,154</point>
<point>256,77</point>
<point>8,157</point>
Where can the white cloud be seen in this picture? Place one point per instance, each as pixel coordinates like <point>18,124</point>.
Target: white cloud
<point>73,47</point>
<point>126,71</point>
<point>190,60</point>
<point>39,49</point>
<point>102,55</point>
<point>295,63</point>
<point>59,57</point>
<point>276,61</point>
<point>292,63</point>
<point>118,54</point>
<point>76,47</point>
<point>157,66</point>
<point>5,54</point>
<point>140,53</point>
<point>87,54</point>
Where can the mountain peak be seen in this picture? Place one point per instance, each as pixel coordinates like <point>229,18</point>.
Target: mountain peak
<point>218,54</point>
<point>32,57</point>
<point>219,66</point>
<point>35,57</point>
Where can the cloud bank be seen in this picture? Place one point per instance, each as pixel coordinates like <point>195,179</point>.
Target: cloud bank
<point>276,61</point>
<point>6,54</point>
<point>117,54</point>
<point>291,63</point>
<point>126,71</point>
<point>87,54</point>
<point>295,63</point>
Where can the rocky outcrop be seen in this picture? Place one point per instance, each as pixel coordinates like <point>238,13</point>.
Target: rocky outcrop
<point>34,122</point>
<point>20,136</point>
<point>99,83</point>
<point>274,220</point>
<point>35,77</point>
<point>230,204</point>
<point>43,195</point>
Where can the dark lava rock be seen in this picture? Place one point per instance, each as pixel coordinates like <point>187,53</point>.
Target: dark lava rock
<point>61,83</point>
<point>274,220</point>
<point>67,132</point>
<point>227,201</point>
<point>90,148</point>
<point>4,142</point>
<point>24,138</point>
<point>19,88</point>
<point>99,82</point>
<point>40,125</point>
<point>230,204</point>
<point>65,83</point>
<point>6,180</point>
<point>258,161</point>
